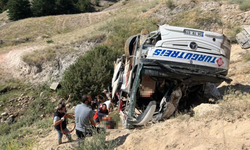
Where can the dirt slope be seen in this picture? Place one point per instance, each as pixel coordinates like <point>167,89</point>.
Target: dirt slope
<point>183,132</point>
<point>190,135</point>
<point>215,131</point>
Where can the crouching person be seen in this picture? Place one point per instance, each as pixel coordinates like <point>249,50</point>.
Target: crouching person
<point>58,120</point>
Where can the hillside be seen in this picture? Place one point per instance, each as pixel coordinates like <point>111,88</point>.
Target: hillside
<point>66,37</point>
<point>224,125</point>
<point>35,52</point>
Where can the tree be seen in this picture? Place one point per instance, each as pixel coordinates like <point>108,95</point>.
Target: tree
<point>65,7</point>
<point>3,5</point>
<point>18,9</point>
<point>43,7</point>
<point>84,5</point>
<point>90,74</point>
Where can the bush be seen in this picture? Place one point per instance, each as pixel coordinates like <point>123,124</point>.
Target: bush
<point>43,7</point>
<point>98,142</point>
<point>122,28</point>
<point>3,5</point>
<point>18,9</point>
<point>197,19</point>
<point>90,74</point>
<point>65,7</point>
<point>245,6</point>
<point>170,4</point>
<point>50,41</point>
<point>84,5</point>
<point>233,31</point>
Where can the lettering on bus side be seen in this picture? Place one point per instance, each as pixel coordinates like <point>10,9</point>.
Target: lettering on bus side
<point>185,55</point>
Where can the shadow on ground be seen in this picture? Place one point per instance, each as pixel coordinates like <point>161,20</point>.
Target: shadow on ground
<point>233,88</point>
<point>119,140</point>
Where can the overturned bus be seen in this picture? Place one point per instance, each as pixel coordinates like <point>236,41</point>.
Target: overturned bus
<point>163,68</point>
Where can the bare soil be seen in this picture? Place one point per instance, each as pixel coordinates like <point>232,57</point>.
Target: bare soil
<point>184,131</point>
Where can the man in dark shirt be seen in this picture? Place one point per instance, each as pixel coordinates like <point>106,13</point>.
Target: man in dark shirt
<point>58,119</point>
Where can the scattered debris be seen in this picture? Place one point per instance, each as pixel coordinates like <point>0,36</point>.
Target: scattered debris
<point>16,105</point>
<point>243,38</point>
<point>53,99</point>
<point>54,85</point>
<point>4,114</point>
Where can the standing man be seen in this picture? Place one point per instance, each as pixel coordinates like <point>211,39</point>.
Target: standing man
<point>58,120</point>
<point>83,117</point>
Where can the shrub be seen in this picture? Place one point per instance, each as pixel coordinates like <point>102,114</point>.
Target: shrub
<point>197,19</point>
<point>244,6</point>
<point>90,74</point>
<point>122,28</point>
<point>18,9</point>
<point>50,41</point>
<point>233,31</point>
<point>65,7</point>
<point>83,5</point>
<point>3,5</point>
<point>43,7</point>
<point>98,142</point>
<point>170,4</point>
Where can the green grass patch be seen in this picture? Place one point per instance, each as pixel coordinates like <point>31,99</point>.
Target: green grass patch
<point>16,135</point>
<point>24,144</point>
<point>44,124</point>
<point>11,89</point>
<point>98,142</point>
<point>122,28</point>
<point>244,5</point>
<point>197,19</point>
<point>170,4</point>
<point>232,31</point>
<point>49,41</point>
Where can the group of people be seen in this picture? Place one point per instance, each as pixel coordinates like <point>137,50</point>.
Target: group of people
<point>88,113</point>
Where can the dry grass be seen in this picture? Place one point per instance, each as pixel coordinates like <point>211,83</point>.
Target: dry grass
<point>4,17</point>
<point>235,105</point>
<point>246,57</point>
<point>116,28</point>
<point>38,58</point>
<point>51,25</point>
<point>197,19</point>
